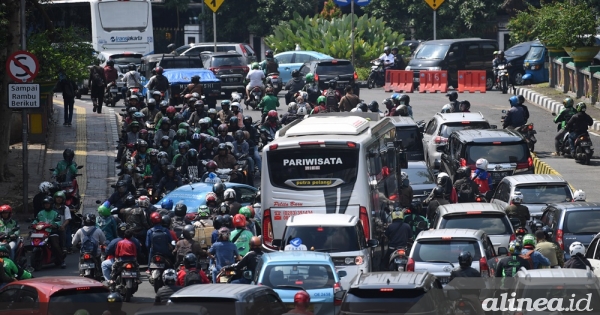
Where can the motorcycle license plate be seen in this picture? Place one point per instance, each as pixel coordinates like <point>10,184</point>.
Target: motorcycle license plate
<point>129,274</point>
<point>444,280</point>
<point>400,261</point>
<point>416,80</point>
<point>88,266</point>
<point>224,177</point>
<point>223,279</point>
<point>113,90</point>
<point>585,144</point>
<point>37,235</point>
<point>156,266</point>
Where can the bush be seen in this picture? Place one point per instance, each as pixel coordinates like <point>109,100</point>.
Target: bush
<point>363,73</point>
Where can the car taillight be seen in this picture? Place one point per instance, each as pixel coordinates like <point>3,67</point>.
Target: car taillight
<point>440,140</point>
<point>484,269</point>
<point>355,76</point>
<point>337,288</point>
<point>246,69</point>
<point>364,218</point>
<point>267,229</point>
<point>527,164</point>
<point>244,51</point>
<point>214,70</point>
<point>463,162</point>
<point>559,239</point>
<point>87,256</point>
<point>410,265</point>
<point>157,258</point>
<point>273,147</point>
<point>512,237</point>
<point>317,78</point>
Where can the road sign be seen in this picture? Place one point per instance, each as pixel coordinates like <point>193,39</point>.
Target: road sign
<point>362,3</point>
<point>22,66</point>
<point>342,3</point>
<point>23,96</point>
<point>434,4</point>
<point>214,5</point>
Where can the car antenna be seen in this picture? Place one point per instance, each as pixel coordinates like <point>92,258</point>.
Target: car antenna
<point>388,281</point>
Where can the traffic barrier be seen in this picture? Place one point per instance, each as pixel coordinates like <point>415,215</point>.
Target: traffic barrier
<point>472,81</point>
<point>387,87</point>
<point>433,81</point>
<point>541,167</point>
<point>404,81</point>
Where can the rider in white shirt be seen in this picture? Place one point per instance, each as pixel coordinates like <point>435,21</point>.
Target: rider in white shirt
<point>256,78</point>
<point>387,58</point>
<point>132,78</point>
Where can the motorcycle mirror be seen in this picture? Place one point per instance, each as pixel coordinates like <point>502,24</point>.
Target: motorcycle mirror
<point>98,202</point>
<point>247,275</point>
<point>553,114</point>
<point>504,111</point>
<point>79,167</point>
<point>51,170</point>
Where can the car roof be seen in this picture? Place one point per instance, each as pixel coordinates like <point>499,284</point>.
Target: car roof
<point>321,219</point>
<point>229,291</point>
<point>553,275</point>
<point>53,284</point>
<point>403,121</point>
<point>221,53</point>
<point>307,52</point>
<point>208,186</point>
<point>450,41</point>
<point>391,279</point>
<point>334,60</point>
<point>577,205</point>
<point>458,233</point>
<point>535,179</point>
<point>488,135</point>
<point>119,52</point>
<point>464,208</point>
<point>296,256</point>
<point>459,117</point>
<point>218,43</point>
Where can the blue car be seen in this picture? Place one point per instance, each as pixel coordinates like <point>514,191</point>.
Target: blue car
<point>293,60</point>
<point>194,195</point>
<point>288,272</point>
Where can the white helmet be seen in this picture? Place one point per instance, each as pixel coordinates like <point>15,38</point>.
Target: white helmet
<point>442,174</point>
<point>302,111</point>
<point>169,276</point>
<point>576,248</point>
<point>45,187</point>
<point>229,145</point>
<point>292,107</point>
<point>482,164</point>
<point>356,109</point>
<point>447,109</point>
<point>517,198</point>
<point>236,97</point>
<point>579,195</point>
<point>237,104</point>
<point>229,194</point>
<point>403,176</point>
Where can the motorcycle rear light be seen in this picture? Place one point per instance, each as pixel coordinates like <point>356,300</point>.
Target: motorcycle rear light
<point>401,252</point>
<point>410,265</point>
<point>478,199</point>
<point>87,256</point>
<point>316,78</point>
<point>274,77</point>
<point>461,304</point>
<point>355,76</point>
<point>299,282</point>
<point>364,219</point>
<point>319,229</point>
<point>157,258</point>
<point>129,266</point>
<point>463,162</point>
<point>530,127</point>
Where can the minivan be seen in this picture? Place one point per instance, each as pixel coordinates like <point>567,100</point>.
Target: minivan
<point>454,55</point>
<point>195,49</point>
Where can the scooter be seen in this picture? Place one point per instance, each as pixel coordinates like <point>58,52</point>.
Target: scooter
<point>274,81</point>
<point>158,264</point>
<point>502,78</point>
<point>529,134</point>
<point>89,267</point>
<point>127,280</point>
<point>255,97</point>
<point>112,95</point>
<point>229,274</point>
<point>71,188</point>
<point>20,254</point>
<point>398,259</point>
<point>377,75</point>
<point>39,245</point>
<point>583,148</point>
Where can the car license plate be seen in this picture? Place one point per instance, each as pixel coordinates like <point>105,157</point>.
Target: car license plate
<point>496,176</point>
<point>586,143</point>
<point>37,235</point>
<point>88,265</point>
<point>113,90</point>
<point>444,280</point>
<point>232,80</point>
<point>129,274</point>
<point>156,266</point>
<point>416,80</point>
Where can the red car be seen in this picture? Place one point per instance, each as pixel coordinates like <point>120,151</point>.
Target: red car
<point>53,295</point>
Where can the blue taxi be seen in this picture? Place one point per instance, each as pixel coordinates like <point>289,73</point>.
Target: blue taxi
<point>288,272</point>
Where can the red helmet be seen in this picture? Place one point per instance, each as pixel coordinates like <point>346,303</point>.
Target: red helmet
<point>211,196</point>
<point>272,113</point>
<point>159,70</point>
<point>143,132</point>
<point>239,221</point>
<point>211,164</point>
<point>155,218</point>
<point>5,209</point>
<point>190,216</point>
<point>171,110</point>
<point>301,297</point>
<point>316,110</point>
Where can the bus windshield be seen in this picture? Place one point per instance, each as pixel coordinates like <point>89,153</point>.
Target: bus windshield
<point>118,15</point>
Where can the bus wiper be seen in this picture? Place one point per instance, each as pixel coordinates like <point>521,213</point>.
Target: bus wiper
<point>325,249</point>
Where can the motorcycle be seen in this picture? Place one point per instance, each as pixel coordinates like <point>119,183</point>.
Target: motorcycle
<point>228,274</point>
<point>88,266</point>
<point>39,246</point>
<point>265,138</point>
<point>502,77</point>
<point>242,166</point>
<point>225,173</point>
<point>529,134</point>
<point>71,188</point>
<point>112,95</point>
<point>377,75</point>
<point>127,280</point>
<point>583,148</point>
<point>148,185</point>
<point>255,97</point>
<point>398,259</point>
<point>158,264</point>
<point>20,255</point>
<point>133,91</point>
<point>274,81</point>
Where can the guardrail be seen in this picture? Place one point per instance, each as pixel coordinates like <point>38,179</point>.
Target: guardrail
<point>578,82</point>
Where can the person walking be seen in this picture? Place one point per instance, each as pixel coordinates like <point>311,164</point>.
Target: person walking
<point>68,89</point>
<point>97,82</point>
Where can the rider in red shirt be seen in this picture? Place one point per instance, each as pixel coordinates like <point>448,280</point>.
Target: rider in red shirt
<point>189,264</point>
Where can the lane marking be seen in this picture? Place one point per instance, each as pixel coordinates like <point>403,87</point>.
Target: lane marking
<point>593,133</point>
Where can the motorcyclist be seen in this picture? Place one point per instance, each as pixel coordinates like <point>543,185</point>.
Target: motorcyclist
<point>294,85</point>
<point>223,134</point>
<point>482,177</point>
<point>162,107</point>
<point>132,78</point>
<point>170,182</point>
<point>249,261</point>
<point>301,304</point>
<point>498,60</point>
<point>169,280</point>
<point>443,180</point>
<point>321,106</point>
<point>548,249</point>
<point>223,252</point>
<point>158,82</point>
<point>399,100</point>
<point>241,147</point>
<point>137,220</point>
<point>197,115</point>
<point>205,125</point>
<point>10,228</point>
<point>464,106</point>
<point>11,269</point>
<point>65,217</point>
<point>203,217</point>
<point>115,302</point>
<point>332,97</point>
<point>180,159</point>
<point>224,159</point>
<point>179,220</point>
<point>235,109</point>
<point>126,249</point>
<point>462,184</point>
<point>438,200</point>
<point>389,105</point>
<point>158,238</point>
<point>117,199</point>
<point>270,64</point>
<point>45,190</point>
<point>578,125</point>
<point>187,245</point>
<point>190,265</point>
<point>255,78</point>
<point>464,270</point>
<point>250,222</point>
<point>539,260</point>
<point>165,130</point>
<point>210,176</point>
<point>509,266</point>
<point>165,146</point>
<point>212,201</point>
<point>241,236</point>
<point>140,155</point>
<point>578,259</point>
<point>50,216</point>
<point>312,88</point>
<point>350,100</point>
<point>110,74</point>
<point>406,191</point>
<point>66,169</point>
<point>268,103</point>
<point>96,235</point>
<point>561,119</point>
<point>398,233</point>
<point>272,124</point>
<point>106,223</point>
<point>515,117</point>
<point>374,108</point>
<point>521,99</point>
<point>229,198</point>
<point>516,209</point>
<point>399,63</point>
<point>387,58</point>
<point>130,138</point>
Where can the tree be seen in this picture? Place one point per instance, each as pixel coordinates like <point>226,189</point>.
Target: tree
<point>178,6</point>
<point>330,10</point>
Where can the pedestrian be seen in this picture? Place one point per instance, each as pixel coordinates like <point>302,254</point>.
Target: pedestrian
<point>68,88</point>
<point>349,101</point>
<point>97,83</point>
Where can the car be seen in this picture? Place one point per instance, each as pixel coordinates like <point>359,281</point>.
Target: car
<point>180,70</point>
<point>53,295</point>
<point>411,135</point>
<point>421,180</point>
<point>172,309</point>
<point>516,57</point>
<point>340,235</point>
<point>592,253</point>
<point>121,58</point>
<point>538,191</point>
<point>505,150</point>
<point>324,71</point>
<point>394,293</point>
<point>194,195</point>
<point>314,272</point>
<point>437,251</point>
<point>572,222</point>
<point>231,299</point>
<point>230,68</point>
<point>489,217</point>
<point>293,60</point>
<point>441,126</point>
<point>195,49</point>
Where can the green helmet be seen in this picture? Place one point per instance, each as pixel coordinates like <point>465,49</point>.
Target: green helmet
<point>568,102</point>
<point>206,120</point>
<point>246,212</point>
<point>309,78</point>
<point>182,133</point>
<point>203,211</point>
<point>321,99</point>
<point>103,211</point>
<point>255,65</point>
<point>4,251</point>
<point>60,194</point>
<point>183,125</point>
<point>134,124</point>
<point>529,239</point>
<point>580,107</point>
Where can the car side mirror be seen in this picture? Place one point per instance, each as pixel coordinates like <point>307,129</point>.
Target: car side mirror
<point>493,126</point>
<point>453,294</point>
<point>247,275</point>
<point>277,243</point>
<point>342,273</point>
<point>372,243</point>
<point>502,251</point>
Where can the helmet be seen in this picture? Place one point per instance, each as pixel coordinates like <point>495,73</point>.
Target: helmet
<point>235,104</point>
<point>45,187</point>
<point>224,208</point>
<point>143,201</point>
<point>218,222</point>
<point>192,100</point>
<point>48,200</point>
<point>152,102</point>
<point>189,261</point>
<point>403,176</point>
<point>302,111</point>
<point>224,233</point>
<point>183,145</point>
<point>167,204</point>
<point>255,242</point>
<point>500,52</point>
<point>363,107</point>
<point>211,165</point>
<point>295,73</point>
<point>482,164</point>
<point>374,107</point>
<point>269,53</point>
<point>462,172</point>
<point>185,126</point>
<point>89,219</point>
<point>245,211</point>
<point>309,78</point>
<point>189,231</point>
<point>222,146</point>
<point>386,49</point>
<point>513,101</point>
<point>227,221</point>
<point>4,251</point>
<point>239,135</point>
<point>388,103</point>
<point>402,110</point>
<point>547,232</point>
<point>452,96</point>
<point>239,221</point>
<point>529,240</point>
<point>102,210</point>
<point>169,276</point>
<point>579,195</point>
<point>129,201</point>
<point>301,297</point>
<point>165,221</point>
<point>568,102</point>
<point>404,99</point>
<point>321,99</point>
<point>180,209</point>
<point>171,110</point>
<point>110,62</point>
<point>255,65</point>
<point>438,192</point>
<point>222,128</point>
<point>446,109</point>
<point>521,99</point>
<point>397,214</point>
<point>269,90</point>
<point>229,194</point>
<point>247,119</point>
<point>576,248</point>
<point>465,259</point>
<point>131,66</point>
<point>68,154</point>
<point>6,209</point>
<point>212,111</point>
<point>60,194</point>
<point>332,84</point>
<point>515,247</point>
<point>292,107</point>
<point>158,70</point>
<point>203,211</point>
<point>272,113</point>
<point>218,188</point>
<point>580,107</point>
<point>517,198</point>
<point>233,121</point>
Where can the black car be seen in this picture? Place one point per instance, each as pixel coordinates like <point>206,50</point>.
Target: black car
<point>516,57</point>
<point>411,135</point>
<point>340,70</point>
<point>230,68</point>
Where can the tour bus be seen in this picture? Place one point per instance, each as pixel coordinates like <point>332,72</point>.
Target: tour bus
<point>112,25</point>
<point>329,163</point>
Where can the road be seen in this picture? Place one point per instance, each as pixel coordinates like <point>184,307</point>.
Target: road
<point>424,106</point>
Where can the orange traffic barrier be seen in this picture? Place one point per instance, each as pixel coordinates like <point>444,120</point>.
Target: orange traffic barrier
<point>404,81</point>
<point>387,87</point>
<point>472,81</point>
<point>433,81</point>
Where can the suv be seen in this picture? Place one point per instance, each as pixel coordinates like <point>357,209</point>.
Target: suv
<point>488,217</point>
<point>437,251</point>
<point>411,135</point>
<point>238,299</point>
<point>340,235</point>
<point>572,222</point>
<point>505,150</point>
<point>441,126</point>
<point>230,68</point>
<point>196,49</point>
<point>333,69</point>
<point>179,70</point>
<point>538,191</point>
<point>395,293</point>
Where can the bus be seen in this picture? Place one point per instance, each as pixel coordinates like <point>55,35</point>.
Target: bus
<point>110,25</point>
<point>329,163</point>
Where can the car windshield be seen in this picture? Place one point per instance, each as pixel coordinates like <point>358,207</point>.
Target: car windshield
<point>307,276</point>
<point>419,176</point>
<point>582,222</point>
<point>517,50</point>
<point>491,224</point>
<point>328,239</point>
<point>512,152</point>
<point>558,292</point>
<point>337,68</point>
<point>432,52</point>
<point>409,137</point>
<point>426,250</point>
<point>447,129</point>
<point>214,305</point>
<point>181,63</point>
<point>181,49</point>
<point>69,301</point>
<point>545,193</point>
<point>222,61</point>
<point>398,301</point>
<point>536,53</point>
<point>127,59</point>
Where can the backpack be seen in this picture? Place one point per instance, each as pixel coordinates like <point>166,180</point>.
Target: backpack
<point>89,244</point>
<point>465,192</point>
<point>160,242</point>
<point>191,277</point>
<point>96,79</point>
<point>184,247</point>
<point>177,225</point>
<point>271,66</point>
<point>331,98</point>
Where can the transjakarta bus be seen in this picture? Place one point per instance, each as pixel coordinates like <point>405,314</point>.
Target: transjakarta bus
<point>115,25</point>
<point>328,163</point>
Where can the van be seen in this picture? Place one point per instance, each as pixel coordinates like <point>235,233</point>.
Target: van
<point>454,55</point>
<point>196,49</point>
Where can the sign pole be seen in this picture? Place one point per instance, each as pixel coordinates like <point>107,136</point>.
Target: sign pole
<point>352,30</point>
<point>215,30</point>
<point>434,24</point>
<point>24,120</point>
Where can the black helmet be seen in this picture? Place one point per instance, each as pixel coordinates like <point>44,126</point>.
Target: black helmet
<point>224,208</point>
<point>233,121</point>
<point>165,221</point>
<point>239,135</point>
<point>222,146</point>
<point>180,209</point>
<point>295,73</point>
<point>68,154</point>
<point>465,259</point>
<point>521,99</point>
<point>462,172</point>
<point>170,168</point>
<point>332,84</point>
<point>404,99</point>
<point>122,228</point>
<point>402,110</point>
<point>218,222</point>
<point>114,297</point>
<point>453,96</point>
<point>466,104</point>
<point>374,107</point>
<point>189,231</point>
<point>363,107</point>
<point>89,219</point>
<point>269,53</point>
<point>189,261</point>
<point>388,103</point>
<point>121,186</point>
<point>218,188</point>
<point>48,199</point>
<point>438,192</point>
<point>110,62</point>
<point>228,221</point>
<point>131,66</point>
<point>548,233</point>
<point>129,201</point>
<point>247,120</point>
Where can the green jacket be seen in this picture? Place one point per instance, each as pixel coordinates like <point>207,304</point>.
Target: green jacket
<point>63,167</point>
<point>8,226</point>
<point>564,116</point>
<point>269,102</point>
<point>13,271</point>
<point>243,241</point>
<point>51,217</point>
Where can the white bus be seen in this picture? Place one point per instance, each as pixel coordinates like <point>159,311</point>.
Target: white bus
<point>112,25</point>
<point>329,163</point>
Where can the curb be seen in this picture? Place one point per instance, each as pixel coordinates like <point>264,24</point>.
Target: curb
<point>541,167</point>
<point>547,103</point>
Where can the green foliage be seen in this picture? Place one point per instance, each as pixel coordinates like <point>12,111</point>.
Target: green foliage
<point>522,26</point>
<point>330,11</point>
<point>331,37</point>
<point>363,73</point>
<point>59,54</point>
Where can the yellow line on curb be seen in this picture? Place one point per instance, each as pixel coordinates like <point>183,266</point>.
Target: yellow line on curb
<point>541,167</point>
